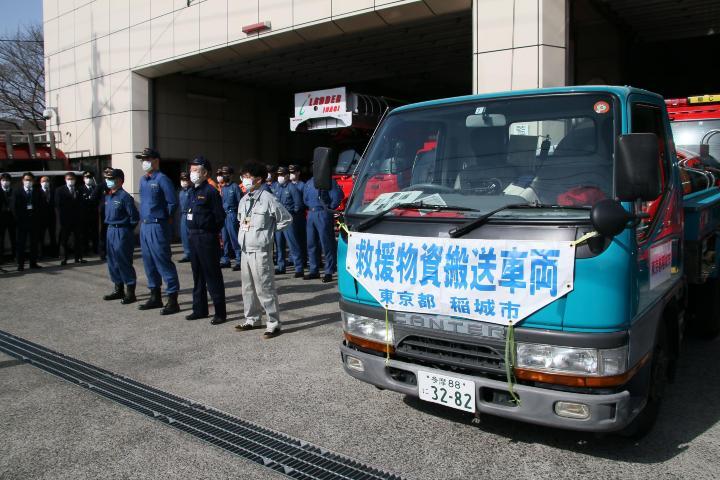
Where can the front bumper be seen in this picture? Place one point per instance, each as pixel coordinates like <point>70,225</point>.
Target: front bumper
<point>608,413</point>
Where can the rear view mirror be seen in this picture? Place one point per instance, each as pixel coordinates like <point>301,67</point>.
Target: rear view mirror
<point>637,168</point>
<point>485,120</point>
<point>609,218</point>
<point>322,168</point>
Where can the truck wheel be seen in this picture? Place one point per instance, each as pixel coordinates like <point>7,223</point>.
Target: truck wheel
<point>659,376</point>
<point>706,321</point>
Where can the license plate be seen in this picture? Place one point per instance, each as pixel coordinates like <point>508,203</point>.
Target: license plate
<point>449,391</point>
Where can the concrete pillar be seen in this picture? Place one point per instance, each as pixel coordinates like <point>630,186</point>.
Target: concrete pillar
<point>518,44</point>
<point>133,128</point>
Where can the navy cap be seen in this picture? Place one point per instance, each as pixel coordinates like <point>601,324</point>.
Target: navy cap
<point>149,153</point>
<point>282,170</point>
<point>227,170</point>
<point>115,173</point>
<point>202,161</point>
<point>184,176</point>
<point>293,168</point>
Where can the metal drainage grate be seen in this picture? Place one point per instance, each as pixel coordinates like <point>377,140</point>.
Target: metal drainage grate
<point>290,456</point>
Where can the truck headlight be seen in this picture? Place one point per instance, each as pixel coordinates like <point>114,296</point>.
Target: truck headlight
<point>578,361</point>
<point>367,327</point>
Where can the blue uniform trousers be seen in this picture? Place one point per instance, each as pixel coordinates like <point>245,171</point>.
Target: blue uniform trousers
<point>156,255</point>
<point>288,238</point>
<point>299,226</point>
<point>207,275</point>
<point>320,227</point>
<point>230,238</point>
<point>120,242</point>
<point>184,235</point>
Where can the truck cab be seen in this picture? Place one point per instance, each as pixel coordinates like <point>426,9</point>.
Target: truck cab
<point>592,168</point>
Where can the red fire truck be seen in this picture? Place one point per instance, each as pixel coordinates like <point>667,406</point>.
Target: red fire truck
<point>695,122</point>
<point>31,151</point>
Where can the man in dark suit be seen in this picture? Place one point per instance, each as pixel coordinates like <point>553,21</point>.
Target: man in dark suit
<point>28,208</point>
<point>90,200</point>
<point>48,219</point>
<point>67,202</point>
<point>7,219</point>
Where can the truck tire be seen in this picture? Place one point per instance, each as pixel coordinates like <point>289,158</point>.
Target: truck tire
<point>659,376</point>
<point>705,305</point>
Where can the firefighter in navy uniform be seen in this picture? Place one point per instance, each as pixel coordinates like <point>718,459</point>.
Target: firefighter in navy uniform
<point>103,190</point>
<point>205,219</point>
<point>290,198</point>
<point>183,201</point>
<point>121,217</point>
<point>320,228</point>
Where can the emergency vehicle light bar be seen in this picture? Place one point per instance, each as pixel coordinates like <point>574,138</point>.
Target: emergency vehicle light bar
<point>714,98</point>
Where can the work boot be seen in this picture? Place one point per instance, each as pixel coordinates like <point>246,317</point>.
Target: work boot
<point>116,294</point>
<point>171,306</point>
<point>153,302</point>
<point>129,296</point>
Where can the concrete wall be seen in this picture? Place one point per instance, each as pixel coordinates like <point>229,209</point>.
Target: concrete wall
<point>100,54</point>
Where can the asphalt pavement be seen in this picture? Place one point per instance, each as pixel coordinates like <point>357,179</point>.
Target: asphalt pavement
<point>295,384</point>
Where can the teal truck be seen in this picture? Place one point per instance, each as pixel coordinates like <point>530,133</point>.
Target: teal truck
<point>539,260</point>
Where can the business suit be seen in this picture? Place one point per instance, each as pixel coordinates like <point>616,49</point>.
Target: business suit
<point>69,211</point>
<point>90,200</point>
<point>7,220</point>
<point>28,209</point>
<point>47,223</point>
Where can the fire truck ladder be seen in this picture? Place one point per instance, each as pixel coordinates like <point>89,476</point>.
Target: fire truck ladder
<point>30,138</point>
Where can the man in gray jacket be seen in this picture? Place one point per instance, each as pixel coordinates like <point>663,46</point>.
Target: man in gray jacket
<point>260,215</point>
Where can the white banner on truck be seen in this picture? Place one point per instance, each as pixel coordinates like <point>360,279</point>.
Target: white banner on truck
<point>496,281</point>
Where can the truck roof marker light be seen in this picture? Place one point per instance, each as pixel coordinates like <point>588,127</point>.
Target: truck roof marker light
<point>713,98</point>
<point>370,344</point>
<point>580,381</point>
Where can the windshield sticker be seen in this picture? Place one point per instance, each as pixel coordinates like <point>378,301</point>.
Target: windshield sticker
<point>601,107</point>
<point>387,200</point>
<point>495,281</point>
<point>479,110</point>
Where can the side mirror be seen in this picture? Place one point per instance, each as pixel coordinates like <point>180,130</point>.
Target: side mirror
<point>637,168</point>
<point>322,168</point>
<point>609,218</point>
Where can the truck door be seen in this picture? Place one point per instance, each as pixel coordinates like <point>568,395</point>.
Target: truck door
<point>658,237</point>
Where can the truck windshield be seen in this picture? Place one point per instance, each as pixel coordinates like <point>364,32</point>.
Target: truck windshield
<point>481,155</point>
<point>688,135</point>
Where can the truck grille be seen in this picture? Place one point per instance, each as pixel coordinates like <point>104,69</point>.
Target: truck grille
<point>444,353</point>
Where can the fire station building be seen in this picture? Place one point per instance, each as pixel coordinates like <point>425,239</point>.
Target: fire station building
<point>272,79</point>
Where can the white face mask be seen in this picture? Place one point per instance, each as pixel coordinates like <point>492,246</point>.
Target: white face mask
<point>27,184</point>
<point>184,184</point>
<point>146,165</point>
<point>110,184</point>
<point>248,183</point>
<point>219,179</point>
<point>88,181</point>
<point>293,177</point>
<point>70,183</point>
<point>45,186</point>
<point>281,180</point>
<point>5,184</point>
<point>195,177</point>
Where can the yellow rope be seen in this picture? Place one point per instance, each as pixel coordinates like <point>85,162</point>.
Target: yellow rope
<point>342,226</point>
<point>584,238</point>
<point>510,362</point>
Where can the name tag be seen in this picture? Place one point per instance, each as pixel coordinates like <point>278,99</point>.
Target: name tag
<point>29,206</point>
<point>245,226</point>
<point>189,216</point>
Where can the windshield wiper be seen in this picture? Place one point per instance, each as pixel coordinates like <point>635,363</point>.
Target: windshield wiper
<point>365,224</point>
<point>482,219</point>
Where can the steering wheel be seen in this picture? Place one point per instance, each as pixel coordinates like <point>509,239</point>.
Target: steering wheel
<point>429,188</point>
<point>490,186</point>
